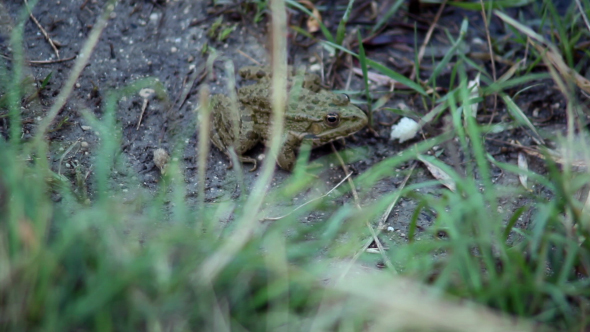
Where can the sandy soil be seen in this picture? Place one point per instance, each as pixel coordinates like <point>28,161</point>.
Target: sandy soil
<point>165,39</point>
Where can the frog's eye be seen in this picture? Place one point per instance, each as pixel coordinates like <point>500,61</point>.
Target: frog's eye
<point>332,119</point>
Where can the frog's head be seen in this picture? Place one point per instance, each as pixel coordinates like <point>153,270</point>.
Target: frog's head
<point>332,117</point>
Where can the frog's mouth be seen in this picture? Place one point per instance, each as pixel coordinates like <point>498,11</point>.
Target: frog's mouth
<point>327,136</point>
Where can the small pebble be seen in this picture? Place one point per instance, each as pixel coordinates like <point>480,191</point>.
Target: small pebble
<point>161,158</point>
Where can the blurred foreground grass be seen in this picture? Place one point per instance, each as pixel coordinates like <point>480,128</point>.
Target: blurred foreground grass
<point>111,263</point>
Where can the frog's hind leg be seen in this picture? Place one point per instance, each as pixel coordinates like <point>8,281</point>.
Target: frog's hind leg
<point>244,145</point>
<point>244,159</point>
<point>312,82</point>
<point>258,72</point>
<point>241,159</point>
<point>228,151</point>
<point>216,140</point>
<point>218,124</point>
<point>254,72</point>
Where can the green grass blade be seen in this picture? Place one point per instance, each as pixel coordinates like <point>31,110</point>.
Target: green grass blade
<point>341,31</point>
<point>496,4</point>
<point>363,61</point>
<point>390,12</point>
<point>520,117</point>
<point>383,69</point>
<point>451,53</point>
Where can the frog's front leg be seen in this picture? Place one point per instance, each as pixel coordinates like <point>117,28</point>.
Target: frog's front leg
<point>288,153</point>
<point>226,151</point>
<point>244,159</point>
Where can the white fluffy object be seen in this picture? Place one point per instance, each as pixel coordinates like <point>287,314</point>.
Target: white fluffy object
<point>405,130</point>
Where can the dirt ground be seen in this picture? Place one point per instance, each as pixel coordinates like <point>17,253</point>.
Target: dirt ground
<point>165,39</point>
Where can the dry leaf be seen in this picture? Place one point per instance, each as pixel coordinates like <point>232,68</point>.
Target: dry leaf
<point>565,71</point>
<point>549,51</point>
<point>523,165</point>
<point>473,86</point>
<point>383,100</point>
<point>510,72</point>
<point>376,78</point>
<point>313,22</point>
<point>554,155</point>
<point>439,174</point>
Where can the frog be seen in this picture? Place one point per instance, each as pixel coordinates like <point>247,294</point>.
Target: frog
<point>312,113</point>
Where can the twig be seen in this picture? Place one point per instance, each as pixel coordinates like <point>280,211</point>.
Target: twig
<point>374,236</point>
<point>427,39</point>
<point>347,172</point>
<point>143,107</point>
<point>42,30</point>
<point>193,79</point>
<point>394,201</point>
<point>47,62</point>
<point>42,62</point>
<point>350,72</point>
<point>583,13</point>
<point>311,200</point>
<point>88,173</point>
<point>203,126</point>
<point>84,4</point>
<point>187,86</point>
<point>64,155</point>
<point>250,58</point>
<point>381,224</point>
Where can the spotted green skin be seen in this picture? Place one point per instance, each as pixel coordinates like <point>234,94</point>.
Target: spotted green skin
<point>316,115</point>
